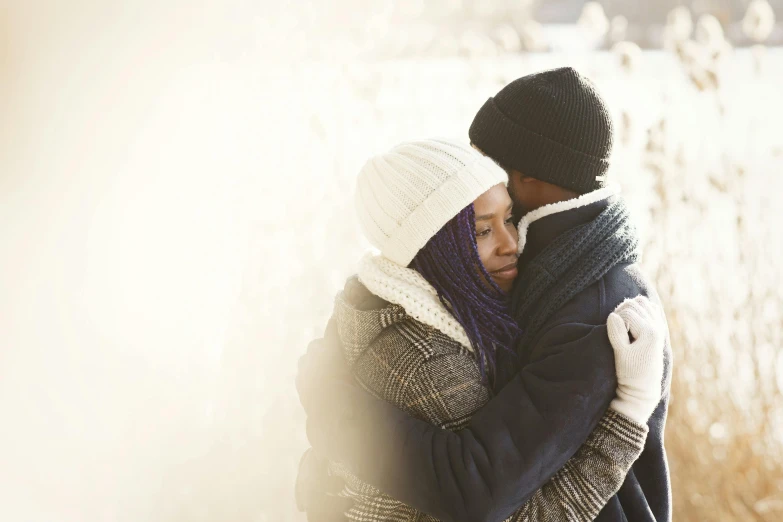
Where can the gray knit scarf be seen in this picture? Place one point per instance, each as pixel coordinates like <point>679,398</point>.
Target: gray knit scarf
<point>573,261</point>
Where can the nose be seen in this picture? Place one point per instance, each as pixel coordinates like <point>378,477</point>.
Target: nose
<point>508,242</point>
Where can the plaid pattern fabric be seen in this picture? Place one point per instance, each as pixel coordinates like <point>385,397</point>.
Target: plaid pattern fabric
<point>432,377</point>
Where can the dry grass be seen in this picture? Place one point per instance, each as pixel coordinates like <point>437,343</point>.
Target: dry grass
<point>715,262</point>
<point>699,168</point>
<point>155,152</point>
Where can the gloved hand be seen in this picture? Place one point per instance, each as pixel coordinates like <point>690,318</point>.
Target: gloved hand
<point>638,361</point>
<point>317,491</point>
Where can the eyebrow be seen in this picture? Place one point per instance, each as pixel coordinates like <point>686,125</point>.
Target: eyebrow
<point>485,217</point>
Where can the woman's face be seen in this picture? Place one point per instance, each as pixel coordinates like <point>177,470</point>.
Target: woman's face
<point>496,236</point>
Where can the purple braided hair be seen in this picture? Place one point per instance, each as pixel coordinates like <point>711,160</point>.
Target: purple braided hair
<point>450,263</point>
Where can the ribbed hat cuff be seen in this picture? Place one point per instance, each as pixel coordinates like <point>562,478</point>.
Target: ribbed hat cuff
<point>440,207</point>
<point>532,154</point>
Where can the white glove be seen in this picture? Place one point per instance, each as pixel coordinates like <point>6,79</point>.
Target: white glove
<point>639,364</point>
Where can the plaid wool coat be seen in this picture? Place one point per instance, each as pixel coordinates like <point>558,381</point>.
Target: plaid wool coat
<point>430,376</point>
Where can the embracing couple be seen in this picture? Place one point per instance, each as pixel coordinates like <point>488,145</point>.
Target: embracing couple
<point>503,358</point>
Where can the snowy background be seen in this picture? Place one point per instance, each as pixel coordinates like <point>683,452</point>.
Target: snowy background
<point>176,218</point>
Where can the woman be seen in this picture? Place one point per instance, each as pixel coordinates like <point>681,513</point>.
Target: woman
<point>422,324</point>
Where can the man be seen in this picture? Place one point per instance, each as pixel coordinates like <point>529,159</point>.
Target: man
<point>552,133</point>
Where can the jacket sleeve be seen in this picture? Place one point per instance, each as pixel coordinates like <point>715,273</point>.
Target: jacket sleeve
<point>440,385</point>
<point>511,447</point>
<point>445,390</point>
<point>580,489</point>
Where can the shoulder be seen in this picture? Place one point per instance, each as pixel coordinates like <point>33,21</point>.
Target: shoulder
<point>626,281</point>
<point>595,302</point>
<point>416,341</point>
<point>360,297</point>
<point>583,308</point>
<point>423,372</point>
<point>423,357</point>
<point>385,333</point>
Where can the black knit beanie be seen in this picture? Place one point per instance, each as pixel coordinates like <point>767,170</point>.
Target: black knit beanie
<point>552,126</point>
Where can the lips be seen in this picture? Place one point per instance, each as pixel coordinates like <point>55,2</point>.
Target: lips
<point>507,272</point>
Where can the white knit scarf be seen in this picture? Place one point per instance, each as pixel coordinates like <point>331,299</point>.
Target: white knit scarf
<point>408,288</point>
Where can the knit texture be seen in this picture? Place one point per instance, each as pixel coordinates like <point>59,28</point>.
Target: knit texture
<point>639,363</point>
<point>408,288</point>
<point>552,125</point>
<point>403,197</point>
<point>573,261</point>
<point>561,206</point>
<point>432,377</point>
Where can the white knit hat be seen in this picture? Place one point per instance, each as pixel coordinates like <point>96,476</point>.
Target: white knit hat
<point>406,195</point>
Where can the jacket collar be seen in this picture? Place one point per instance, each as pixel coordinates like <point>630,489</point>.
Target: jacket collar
<point>540,227</point>
<point>407,288</point>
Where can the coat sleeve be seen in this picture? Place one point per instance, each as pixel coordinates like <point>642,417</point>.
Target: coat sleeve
<point>511,447</point>
<point>440,385</point>
<point>445,390</point>
<point>580,489</point>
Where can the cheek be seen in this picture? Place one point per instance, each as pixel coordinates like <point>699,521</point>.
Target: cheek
<point>514,231</point>
<point>485,251</point>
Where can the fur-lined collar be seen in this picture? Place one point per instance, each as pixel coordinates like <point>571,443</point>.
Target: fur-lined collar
<point>561,206</point>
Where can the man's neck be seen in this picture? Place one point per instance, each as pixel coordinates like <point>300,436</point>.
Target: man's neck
<point>530,194</point>
<point>549,194</point>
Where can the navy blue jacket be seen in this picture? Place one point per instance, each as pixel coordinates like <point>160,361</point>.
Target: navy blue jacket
<point>516,442</point>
